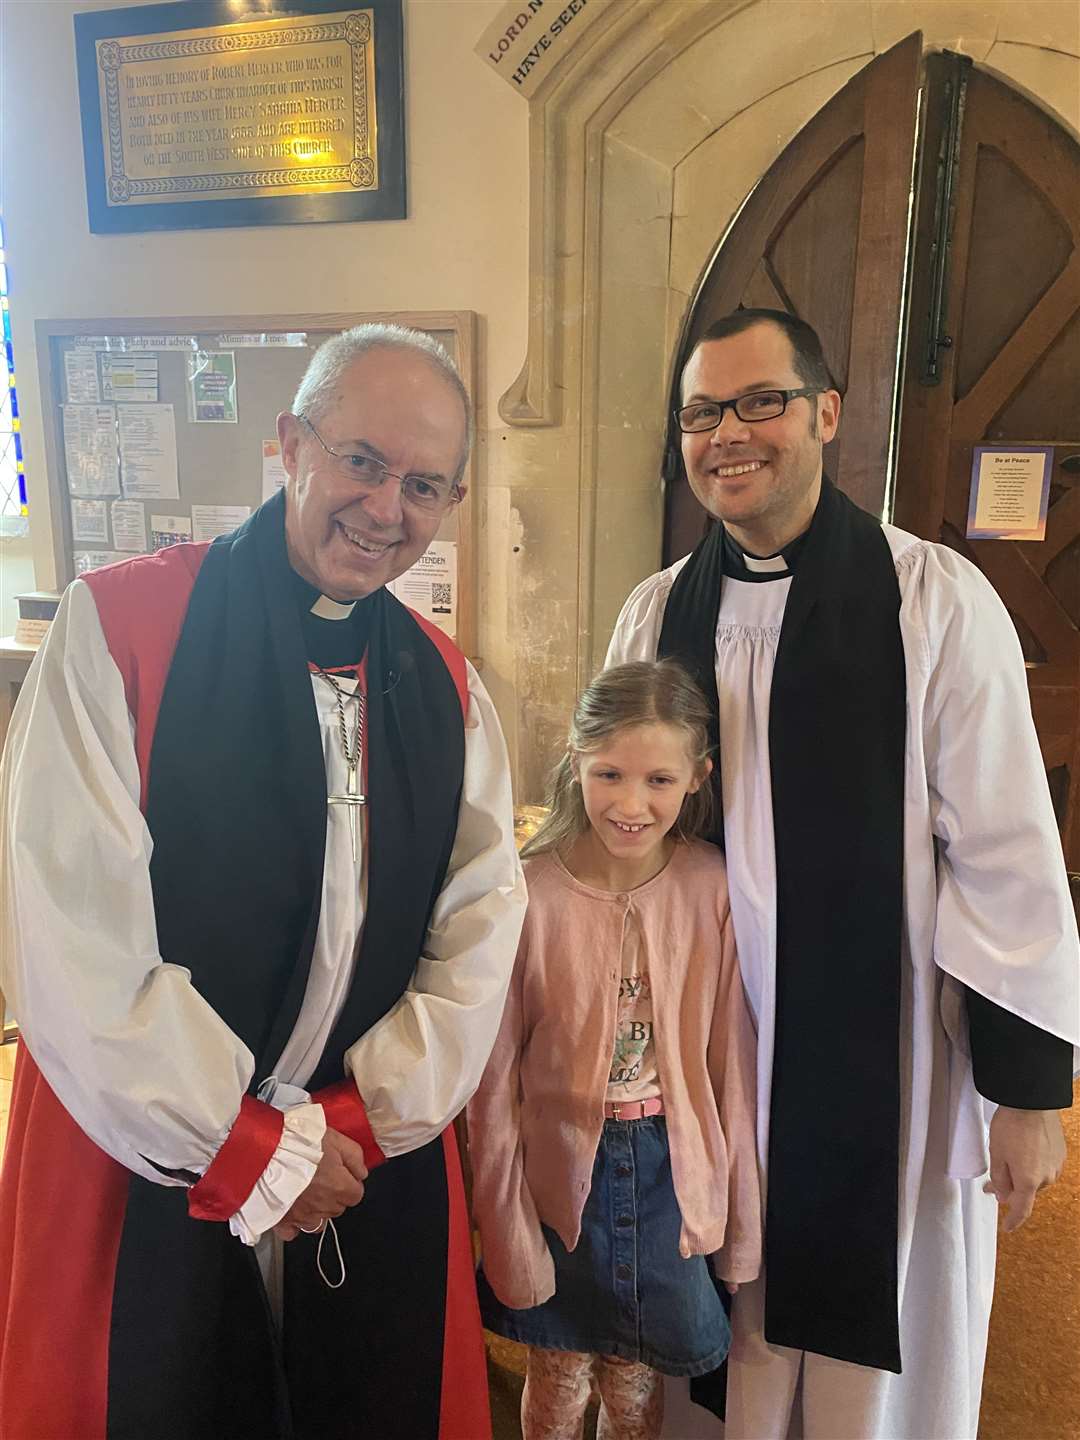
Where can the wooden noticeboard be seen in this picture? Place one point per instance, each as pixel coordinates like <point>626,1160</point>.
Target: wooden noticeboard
<point>221,463</point>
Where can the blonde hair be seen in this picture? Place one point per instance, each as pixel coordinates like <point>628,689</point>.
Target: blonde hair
<point>645,692</point>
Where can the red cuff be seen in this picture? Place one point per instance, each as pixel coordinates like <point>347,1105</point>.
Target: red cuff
<point>345,1112</point>
<point>236,1167</point>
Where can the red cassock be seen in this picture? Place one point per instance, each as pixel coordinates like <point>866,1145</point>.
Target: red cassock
<point>122,1314</point>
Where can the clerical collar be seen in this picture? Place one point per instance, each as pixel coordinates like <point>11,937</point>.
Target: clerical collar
<point>739,564</point>
<point>774,565</point>
<point>335,634</point>
<point>327,609</point>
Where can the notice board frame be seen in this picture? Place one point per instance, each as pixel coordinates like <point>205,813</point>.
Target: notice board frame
<point>455,329</point>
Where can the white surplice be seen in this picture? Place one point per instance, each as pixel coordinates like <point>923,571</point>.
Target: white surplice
<point>143,1064</point>
<point>989,910</point>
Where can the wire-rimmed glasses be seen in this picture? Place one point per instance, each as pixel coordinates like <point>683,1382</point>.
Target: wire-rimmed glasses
<point>424,492</point>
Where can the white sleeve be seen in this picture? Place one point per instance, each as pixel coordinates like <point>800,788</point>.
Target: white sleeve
<point>417,1066</point>
<point>133,1052</point>
<point>637,630</point>
<point>291,1166</point>
<point>1005,922</point>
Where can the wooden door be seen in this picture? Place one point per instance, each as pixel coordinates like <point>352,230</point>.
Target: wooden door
<point>1006,349</point>
<point>824,235</point>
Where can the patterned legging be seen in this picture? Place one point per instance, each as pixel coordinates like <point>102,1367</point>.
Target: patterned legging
<point>558,1384</point>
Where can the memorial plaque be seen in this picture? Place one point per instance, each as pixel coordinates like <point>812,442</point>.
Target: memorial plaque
<point>257,118</point>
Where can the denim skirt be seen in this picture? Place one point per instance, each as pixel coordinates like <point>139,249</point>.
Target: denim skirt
<point>624,1289</point>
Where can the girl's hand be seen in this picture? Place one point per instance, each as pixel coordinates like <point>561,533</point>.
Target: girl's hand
<point>731,1286</point>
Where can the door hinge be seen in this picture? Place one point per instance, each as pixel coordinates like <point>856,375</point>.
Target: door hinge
<point>951,99</point>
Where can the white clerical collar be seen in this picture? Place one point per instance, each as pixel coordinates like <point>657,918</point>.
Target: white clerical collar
<point>327,609</point>
<point>775,564</point>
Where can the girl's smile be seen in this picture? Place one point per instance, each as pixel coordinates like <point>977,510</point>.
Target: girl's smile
<point>633,787</point>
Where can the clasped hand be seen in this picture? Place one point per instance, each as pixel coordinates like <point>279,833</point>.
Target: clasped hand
<point>1027,1151</point>
<point>338,1183</point>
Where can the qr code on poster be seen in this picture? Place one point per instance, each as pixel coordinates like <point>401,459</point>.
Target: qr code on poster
<point>440,598</point>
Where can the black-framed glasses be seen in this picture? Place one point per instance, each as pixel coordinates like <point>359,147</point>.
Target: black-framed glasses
<point>702,415</point>
<point>423,492</point>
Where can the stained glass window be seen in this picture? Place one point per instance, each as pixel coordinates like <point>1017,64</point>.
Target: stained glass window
<point>13,507</point>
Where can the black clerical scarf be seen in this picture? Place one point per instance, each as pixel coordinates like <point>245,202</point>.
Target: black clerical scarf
<point>837,727</point>
<point>237,796</point>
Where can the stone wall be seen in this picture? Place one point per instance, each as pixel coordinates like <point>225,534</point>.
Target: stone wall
<point>643,149</point>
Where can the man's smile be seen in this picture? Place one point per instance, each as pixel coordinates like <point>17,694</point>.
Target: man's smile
<point>364,543</point>
<point>743,467</point>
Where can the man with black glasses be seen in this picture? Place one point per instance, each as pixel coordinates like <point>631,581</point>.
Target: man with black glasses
<point>262,902</point>
<point>900,903</point>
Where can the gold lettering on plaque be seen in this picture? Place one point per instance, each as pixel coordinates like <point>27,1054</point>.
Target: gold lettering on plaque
<point>261,108</point>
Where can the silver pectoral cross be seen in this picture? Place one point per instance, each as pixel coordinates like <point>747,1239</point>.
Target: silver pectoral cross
<point>353,799</point>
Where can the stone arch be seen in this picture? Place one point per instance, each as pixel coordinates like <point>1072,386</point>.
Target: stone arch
<point>643,146</point>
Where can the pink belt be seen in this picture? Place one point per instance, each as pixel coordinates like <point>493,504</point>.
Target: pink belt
<point>633,1109</point>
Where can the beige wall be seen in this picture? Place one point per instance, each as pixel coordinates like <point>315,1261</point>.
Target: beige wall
<point>638,151</point>
<point>16,577</point>
<point>463,246</point>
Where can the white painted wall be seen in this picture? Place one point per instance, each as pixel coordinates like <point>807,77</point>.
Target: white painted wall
<point>16,577</point>
<point>463,246</point>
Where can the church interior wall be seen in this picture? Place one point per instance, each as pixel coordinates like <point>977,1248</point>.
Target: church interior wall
<point>462,247</point>
<point>661,139</point>
<point>16,577</point>
<point>658,130</point>
<point>658,146</point>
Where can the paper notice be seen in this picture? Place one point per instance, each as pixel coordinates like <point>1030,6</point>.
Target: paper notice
<point>148,452</point>
<point>93,559</point>
<point>527,38</point>
<point>209,521</point>
<point>259,341</point>
<point>129,526</point>
<point>133,378</point>
<point>166,530</point>
<point>90,449</point>
<point>30,632</point>
<point>430,586</point>
<point>274,475</point>
<point>89,522</point>
<point>124,344</point>
<point>212,387</point>
<point>1010,492</point>
<point>81,377</point>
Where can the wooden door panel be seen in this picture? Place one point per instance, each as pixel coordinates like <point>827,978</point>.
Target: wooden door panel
<point>1024,592</point>
<point>1062,529</point>
<point>1055,719</point>
<point>1010,378</point>
<point>824,235</point>
<point>811,243</point>
<point>1031,250</point>
<point>762,290</point>
<point>1047,403</point>
<point>1012,365</point>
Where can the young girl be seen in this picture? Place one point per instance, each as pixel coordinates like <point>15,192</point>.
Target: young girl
<point>612,1137</point>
